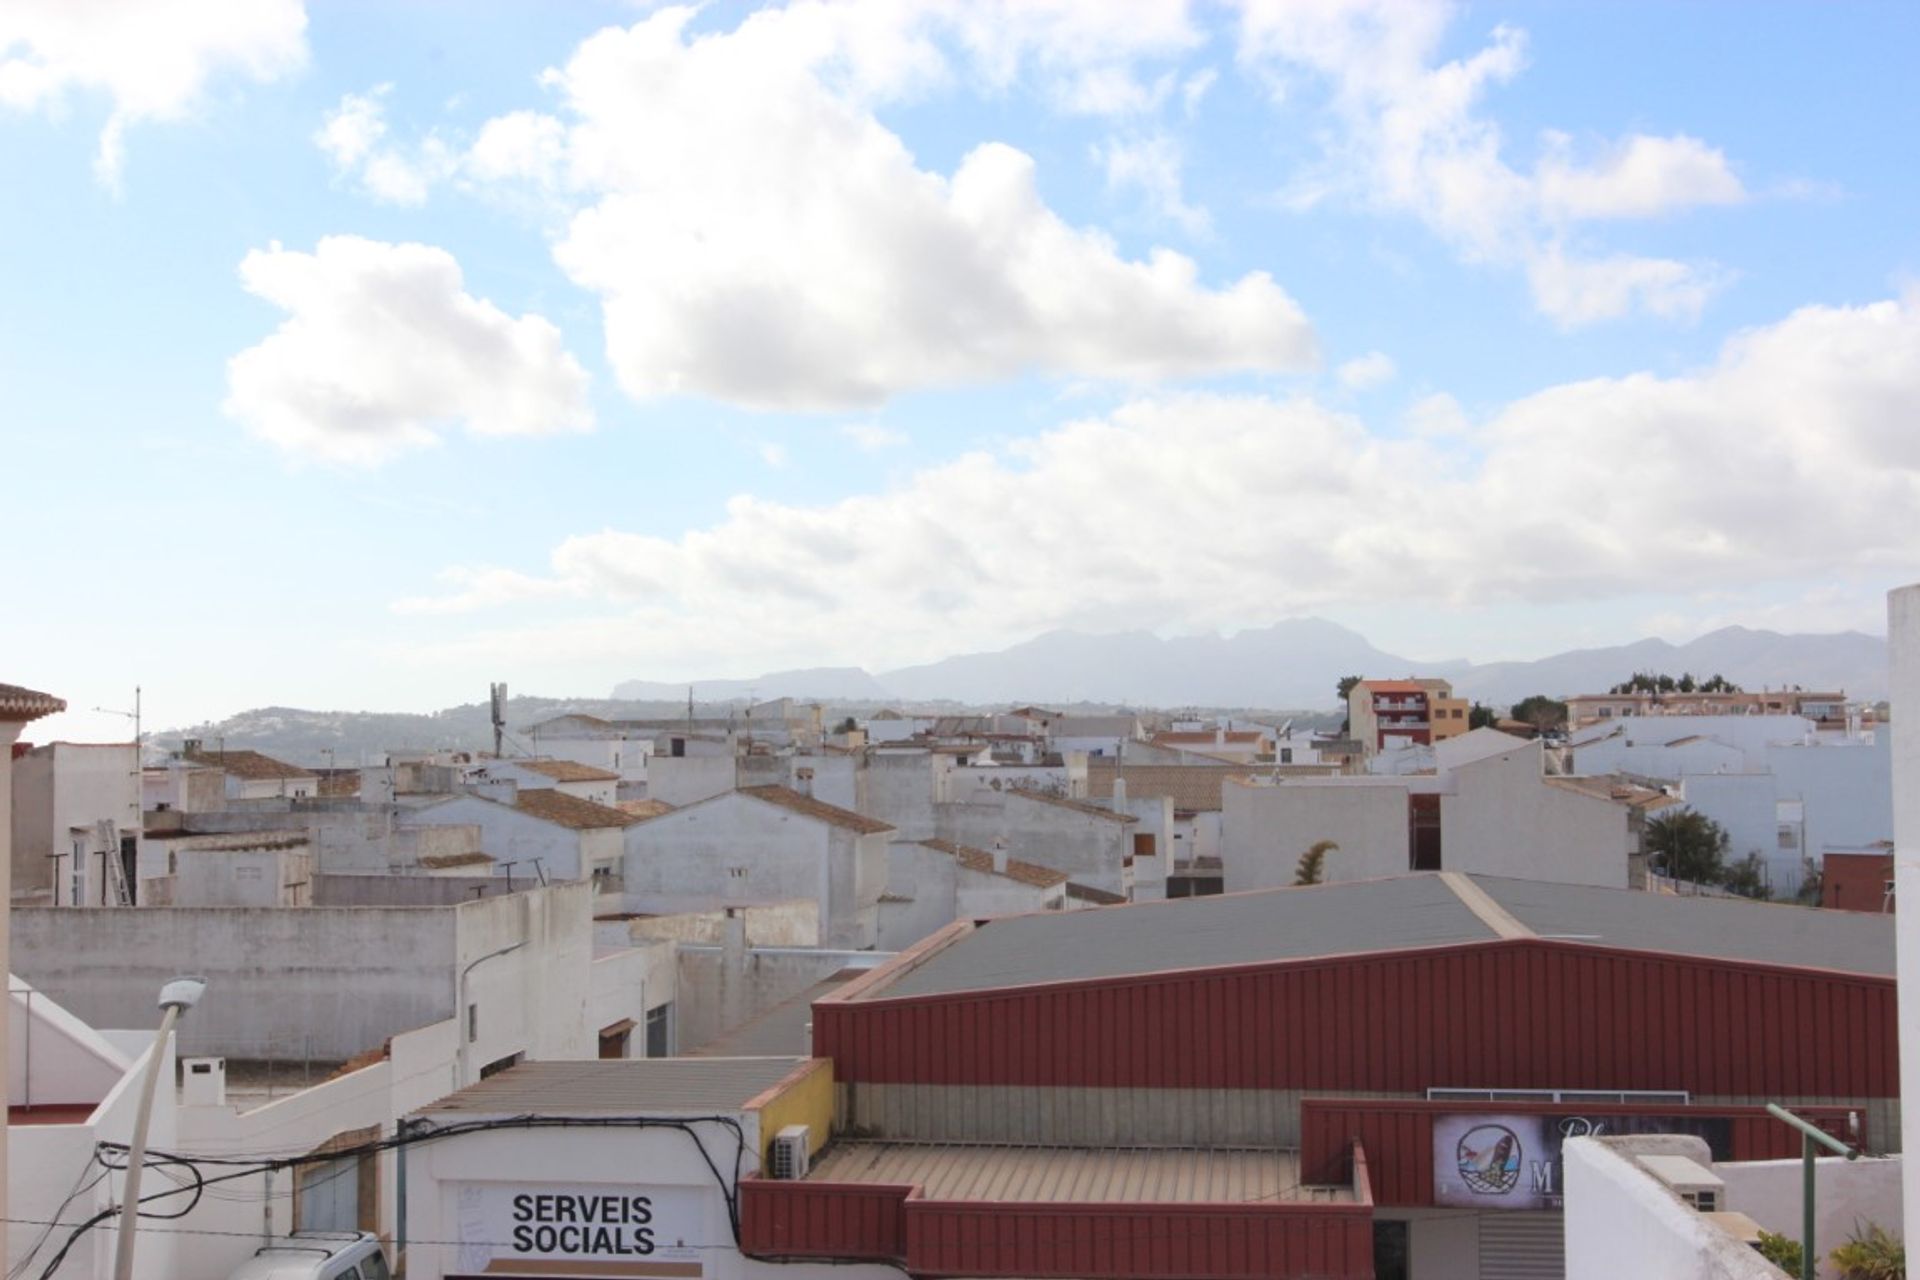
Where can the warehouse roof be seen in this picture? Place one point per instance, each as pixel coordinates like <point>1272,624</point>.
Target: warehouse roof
<point>1197,933</point>
<point>1393,914</point>
<point>1722,928</point>
<point>630,1086</point>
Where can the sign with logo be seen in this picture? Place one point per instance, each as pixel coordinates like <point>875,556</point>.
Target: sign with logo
<point>1499,1161</point>
<point>622,1229</point>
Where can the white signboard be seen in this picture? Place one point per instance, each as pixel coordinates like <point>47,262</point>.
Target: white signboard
<point>548,1222</point>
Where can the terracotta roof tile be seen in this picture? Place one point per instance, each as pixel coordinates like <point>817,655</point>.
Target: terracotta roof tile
<point>443,861</point>
<point>570,811</point>
<point>788,798</point>
<point>568,771</point>
<point>643,809</point>
<point>1098,897</point>
<point>251,765</point>
<point>17,703</point>
<point>1061,802</point>
<point>1194,788</point>
<point>1030,873</point>
<point>1203,738</point>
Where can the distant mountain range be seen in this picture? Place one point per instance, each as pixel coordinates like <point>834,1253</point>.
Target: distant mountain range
<point>1297,664</point>
<point>1292,666</point>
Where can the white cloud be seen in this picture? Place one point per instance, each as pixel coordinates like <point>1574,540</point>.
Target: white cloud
<point>1641,178</point>
<point>151,58</point>
<point>1153,164</point>
<point>1370,370</point>
<point>1412,138</point>
<point>757,236</point>
<point>1720,479</point>
<point>774,454</point>
<point>383,349</point>
<point>872,437</point>
<point>1437,415</point>
<point>353,135</point>
<point>1577,291</point>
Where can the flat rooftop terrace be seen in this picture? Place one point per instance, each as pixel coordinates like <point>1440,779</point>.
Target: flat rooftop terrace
<point>1078,1175</point>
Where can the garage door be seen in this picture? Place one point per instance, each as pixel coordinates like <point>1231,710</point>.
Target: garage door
<point>1522,1246</point>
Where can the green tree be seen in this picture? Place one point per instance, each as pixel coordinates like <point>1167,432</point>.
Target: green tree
<point>1313,863</point>
<point>1543,713</point>
<point>846,726</point>
<point>1871,1254</point>
<point>1718,683</point>
<point>1686,684</point>
<point>1346,687</point>
<point>1480,716</point>
<point>1747,877</point>
<point>1687,846</point>
<point>1783,1252</point>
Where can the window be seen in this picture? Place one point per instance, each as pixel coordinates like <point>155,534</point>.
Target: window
<point>1789,839</point>
<point>473,1023</point>
<point>1286,755</point>
<point>374,1268</point>
<point>660,1031</point>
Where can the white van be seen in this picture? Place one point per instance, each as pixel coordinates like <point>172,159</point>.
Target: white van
<point>317,1255</point>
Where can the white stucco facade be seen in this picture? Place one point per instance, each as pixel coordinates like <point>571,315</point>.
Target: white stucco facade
<point>535,844</point>
<point>61,793</point>
<point>738,848</point>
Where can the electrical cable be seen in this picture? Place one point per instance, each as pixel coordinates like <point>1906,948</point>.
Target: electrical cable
<point>407,1134</point>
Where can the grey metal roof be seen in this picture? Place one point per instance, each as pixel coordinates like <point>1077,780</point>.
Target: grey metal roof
<point>785,1028</point>
<point>640,1086</point>
<point>1194,933</point>
<point>1723,928</point>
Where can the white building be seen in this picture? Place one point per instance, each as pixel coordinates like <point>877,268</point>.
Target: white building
<point>1091,843</point>
<point>1662,1206</point>
<point>541,835</point>
<point>76,814</point>
<point>18,708</point>
<point>72,1087</point>
<point>253,776</point>
<point>630,1165</point>
<point>568,777</point>
<point>597,743</point>
<point>760,844</point>
<point>1489,810</point>
<point>932,883</point>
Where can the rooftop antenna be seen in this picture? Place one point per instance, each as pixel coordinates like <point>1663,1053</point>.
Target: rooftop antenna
<point>689,706</point>
<point>497,697</point>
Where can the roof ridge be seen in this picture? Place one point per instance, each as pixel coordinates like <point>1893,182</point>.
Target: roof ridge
<point>1477,900</point>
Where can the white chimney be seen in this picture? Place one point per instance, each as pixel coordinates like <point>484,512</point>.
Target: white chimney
<point>1119,794</point>
<point>803,781</point>
<point>1219,735</point>
<point>1000,857</point>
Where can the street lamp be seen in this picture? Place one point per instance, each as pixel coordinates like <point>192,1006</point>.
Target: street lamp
<point>1809,1135</point>
<point>465,1018</point>
<point>176,998</point>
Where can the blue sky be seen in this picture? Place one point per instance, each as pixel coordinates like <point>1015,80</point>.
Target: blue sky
<point>353,355</point>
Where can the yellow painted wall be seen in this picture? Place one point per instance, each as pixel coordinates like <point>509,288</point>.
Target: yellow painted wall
<point>805,1099</point>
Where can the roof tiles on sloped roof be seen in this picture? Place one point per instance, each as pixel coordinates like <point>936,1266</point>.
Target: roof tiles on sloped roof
<point>568,771</point>
<point>1028,873</point>
<point>254,766</point>
<point>788,798</point>
<point>570,811</point>
<point>18,703</point>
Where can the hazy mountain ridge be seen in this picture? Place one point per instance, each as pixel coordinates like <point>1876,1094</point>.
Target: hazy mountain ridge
<point>1299,662</point>
<point>1293,664</point>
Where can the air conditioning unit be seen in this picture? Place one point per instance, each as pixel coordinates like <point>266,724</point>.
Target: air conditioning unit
<point>788,1159</point>
<point>1688,1179</point>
